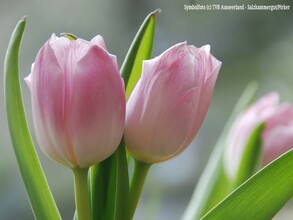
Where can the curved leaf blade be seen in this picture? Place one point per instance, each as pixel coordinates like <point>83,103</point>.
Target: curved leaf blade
<point>37,188</point>
<point>140,49</point>
<point>110,187</point>
<point>250,161</point>
<point>262,195</point>
<point>213,184</point>
<point>118,188</point>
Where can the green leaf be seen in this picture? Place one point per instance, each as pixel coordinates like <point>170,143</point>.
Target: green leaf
<point>109,186</point>
<point>262,195</point>
<point>250,161</point>
<point>69,36</point>
<point>140,49</point>
<point>99,183</point>
<point>139,175</point>
<point>213,184</point>
<point>38,191</point>
<point>118,188</point>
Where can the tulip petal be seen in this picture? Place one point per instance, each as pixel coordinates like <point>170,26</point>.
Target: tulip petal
<point>279,141</point>
<point>99,41</point>
<point>211,70</point>
<point>277,135</point>
<point>48,106</point>
<point>78,101</point>
<point>162,111</point>
<point>96,104</point>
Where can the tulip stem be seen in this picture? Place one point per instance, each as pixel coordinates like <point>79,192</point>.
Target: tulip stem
<point>137,182</point>
<point>82,201</point>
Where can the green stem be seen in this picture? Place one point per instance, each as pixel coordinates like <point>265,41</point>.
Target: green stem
<point>137,182</point>
<point>82,201</point>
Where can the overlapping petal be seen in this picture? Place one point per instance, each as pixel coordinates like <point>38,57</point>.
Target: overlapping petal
<point>169,102</point>
<point>78,101</point>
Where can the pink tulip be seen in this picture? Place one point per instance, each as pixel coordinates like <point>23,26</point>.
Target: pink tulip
<point>169,102</point>
<point>78,101</point>
<point>277,136</point>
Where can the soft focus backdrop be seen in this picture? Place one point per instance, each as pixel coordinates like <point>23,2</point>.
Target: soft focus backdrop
<point>253,45</point>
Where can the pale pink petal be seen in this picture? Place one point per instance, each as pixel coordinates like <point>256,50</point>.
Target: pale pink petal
<point>162,105</point>
<point>277,136</point>
<point>78,101</point>
<point>47,101</point>
<point>98,40</point>
<point>276,142</point>
<point>210,68</point>
<point>98,99</point>
<point>162,114</point>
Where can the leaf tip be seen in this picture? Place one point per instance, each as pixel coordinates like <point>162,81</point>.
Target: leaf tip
<point>24,18</point>
<point>157,11</point>
<point>69,36</point>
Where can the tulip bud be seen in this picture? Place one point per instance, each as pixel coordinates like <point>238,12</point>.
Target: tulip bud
<point>78,101</point>
<point>276,137</point>
<point>169,102</point>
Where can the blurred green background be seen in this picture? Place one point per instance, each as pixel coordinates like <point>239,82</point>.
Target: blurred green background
<point>253,45</point>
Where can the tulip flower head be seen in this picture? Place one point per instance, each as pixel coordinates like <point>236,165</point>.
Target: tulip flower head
<point>276,138</point>
<point>169,102</point>
<point>78,101</point>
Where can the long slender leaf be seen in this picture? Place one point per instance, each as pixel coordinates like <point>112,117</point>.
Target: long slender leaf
<point>213,185</point>
<point>38,191</point>
<point>250,161</point>
<point>140,49</point>
<point>109,179</point>
<point>99,183</point>
<point>110,187</point>
<point>261,196</point>
<point>118,187</point>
